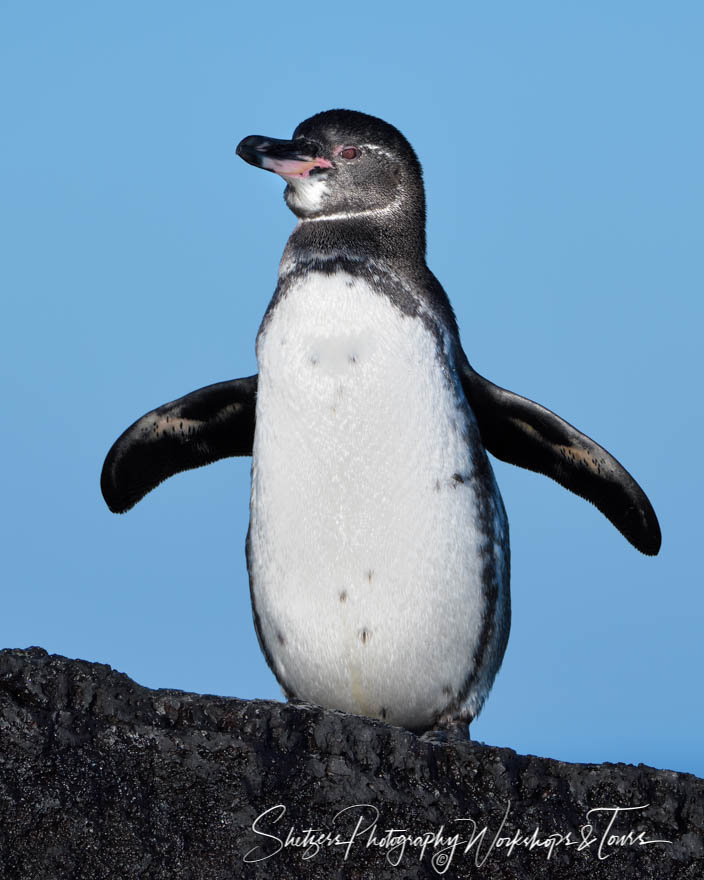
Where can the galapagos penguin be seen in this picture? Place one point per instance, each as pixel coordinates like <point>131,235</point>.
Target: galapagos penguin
<point>378,546</point>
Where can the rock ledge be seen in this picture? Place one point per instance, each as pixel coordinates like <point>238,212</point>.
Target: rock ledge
<point>103,778</point>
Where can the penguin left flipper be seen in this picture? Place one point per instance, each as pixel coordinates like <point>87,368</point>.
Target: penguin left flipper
<point>204,426</point>
<point>524,433</point>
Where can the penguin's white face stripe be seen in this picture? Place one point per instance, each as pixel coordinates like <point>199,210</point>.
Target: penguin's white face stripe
<point>349,215</point>
<point>365,537</point>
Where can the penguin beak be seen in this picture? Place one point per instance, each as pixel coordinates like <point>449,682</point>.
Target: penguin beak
<point>287,158</point>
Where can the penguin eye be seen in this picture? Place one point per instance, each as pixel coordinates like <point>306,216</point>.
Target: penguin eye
<point>349,153</point>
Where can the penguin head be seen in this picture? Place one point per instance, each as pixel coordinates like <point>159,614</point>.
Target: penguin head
<point>341,164</point>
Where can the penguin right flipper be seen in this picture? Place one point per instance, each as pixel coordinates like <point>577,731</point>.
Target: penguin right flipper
<point>204,426</point>
<point>524,433</point>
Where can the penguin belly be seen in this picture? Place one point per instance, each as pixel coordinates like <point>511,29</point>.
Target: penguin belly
<point>378,542</point>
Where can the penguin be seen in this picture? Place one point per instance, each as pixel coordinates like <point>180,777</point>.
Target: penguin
<point>378,545</point>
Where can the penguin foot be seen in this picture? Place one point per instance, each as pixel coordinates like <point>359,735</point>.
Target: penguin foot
<point>301,704</point>
<point>448,732</point>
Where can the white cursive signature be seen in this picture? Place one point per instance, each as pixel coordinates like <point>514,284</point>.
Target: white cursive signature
<point>441,846</point>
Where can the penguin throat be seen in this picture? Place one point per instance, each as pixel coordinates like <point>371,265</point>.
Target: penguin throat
<point>305,195</point>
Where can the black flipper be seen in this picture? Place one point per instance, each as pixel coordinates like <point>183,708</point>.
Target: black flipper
<point>526,434</point>
<point>206,425</point>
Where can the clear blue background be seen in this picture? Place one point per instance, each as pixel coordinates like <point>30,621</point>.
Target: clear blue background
<point>562,145</point>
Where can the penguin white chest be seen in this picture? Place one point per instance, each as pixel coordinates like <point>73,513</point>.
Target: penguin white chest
<point>365,550</point>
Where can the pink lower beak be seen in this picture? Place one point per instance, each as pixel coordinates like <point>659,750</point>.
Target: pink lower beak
<point>293,167</point>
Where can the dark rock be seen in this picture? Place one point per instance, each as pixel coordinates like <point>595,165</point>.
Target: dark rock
<point>102,778</point>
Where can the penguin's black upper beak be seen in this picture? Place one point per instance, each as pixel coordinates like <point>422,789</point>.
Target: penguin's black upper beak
<point>287,158</point>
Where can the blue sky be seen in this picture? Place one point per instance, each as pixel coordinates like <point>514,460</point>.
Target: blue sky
<point>562,146</point>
